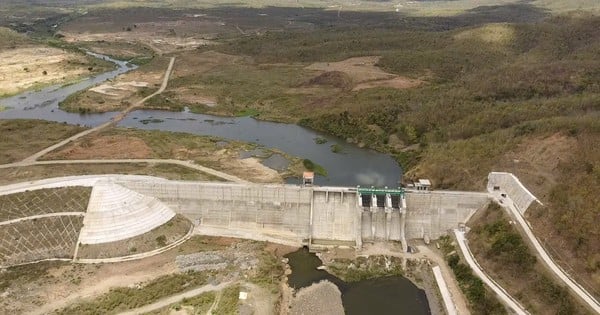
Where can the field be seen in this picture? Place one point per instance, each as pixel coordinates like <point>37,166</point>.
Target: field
<point>22,138</point>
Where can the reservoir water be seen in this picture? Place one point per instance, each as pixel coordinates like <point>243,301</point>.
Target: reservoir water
<point>352,166</point>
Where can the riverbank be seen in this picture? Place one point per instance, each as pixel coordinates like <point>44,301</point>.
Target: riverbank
<point>27,64</point>
<point>380,288</point>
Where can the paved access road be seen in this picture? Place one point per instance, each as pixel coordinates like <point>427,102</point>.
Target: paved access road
<point>585,296</point>
<point>505,298</point>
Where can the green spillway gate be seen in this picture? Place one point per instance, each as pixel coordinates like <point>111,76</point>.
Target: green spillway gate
<point>380,191</point>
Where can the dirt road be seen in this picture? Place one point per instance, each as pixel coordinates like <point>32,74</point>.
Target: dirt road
<point>176,298</point>
<point>115,120</point>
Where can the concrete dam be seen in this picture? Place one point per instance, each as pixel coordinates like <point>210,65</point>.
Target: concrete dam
<point>63,214</point>
<point>313,216</point>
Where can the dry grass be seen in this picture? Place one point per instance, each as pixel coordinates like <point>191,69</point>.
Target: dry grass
<point>175,172</point>
<point>501,251</point>
<point>159,237</point>
<point>43,201</point>
<point>21,138</point>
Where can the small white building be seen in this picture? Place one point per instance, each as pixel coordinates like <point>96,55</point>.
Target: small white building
<point>423,184</point>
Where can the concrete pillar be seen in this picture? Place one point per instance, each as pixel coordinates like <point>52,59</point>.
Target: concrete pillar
<point>388,224</point>
<point>388,201</point>
<point>373,202</point>
<point>359,196</point>
<point>403,210</point>
<point>358,226</point>
<point>373,222</point>
<point>310,222</point>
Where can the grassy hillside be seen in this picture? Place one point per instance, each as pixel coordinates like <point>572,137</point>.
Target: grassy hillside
<point>494,92</point>
<point>499,248</point>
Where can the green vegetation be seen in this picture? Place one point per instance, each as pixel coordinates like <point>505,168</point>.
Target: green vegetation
<point>228,304</point>
<point>481,300</point>
<point>363,268</point>
<point>320,140</point>
<point>500,249</point>
<point>248,112</point>
<point>312,166</point>
<point>487,80</point>
<point>269,271</point>
<point>120,299</point>
<point>336,148</point>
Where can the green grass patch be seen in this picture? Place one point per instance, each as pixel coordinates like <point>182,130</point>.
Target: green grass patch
<point>248,112</point>
<point>320,140</point>
<point>314,167</point>
<point>228,303</point>
<point>364,268</point>
<point>336,148</point>
<point>481,300</point>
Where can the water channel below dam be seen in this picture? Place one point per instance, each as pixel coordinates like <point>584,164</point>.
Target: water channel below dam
<point>355,166</point>
<point>393,295</point>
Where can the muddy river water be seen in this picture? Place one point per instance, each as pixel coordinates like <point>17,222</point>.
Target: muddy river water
<point>353,166</point>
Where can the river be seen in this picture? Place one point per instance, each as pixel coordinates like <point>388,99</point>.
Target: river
<point>353,166</point>
<point>387,295</point>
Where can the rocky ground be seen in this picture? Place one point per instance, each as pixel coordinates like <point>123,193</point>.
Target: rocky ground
<point>320,298</point>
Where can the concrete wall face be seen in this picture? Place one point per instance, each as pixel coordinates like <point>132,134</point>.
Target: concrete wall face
<point>510,185</point>
<point>278,211</point>
<point>433,213</point>
<point>334,216</point>
<point>285,211</point>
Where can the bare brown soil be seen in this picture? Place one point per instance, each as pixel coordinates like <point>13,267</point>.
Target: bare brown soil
<point>536,160</point>
<point>36,66</point>
<point>366,74</point>
<point>104,147</point>
<point>121,143</point>
<point>164,31</point>
<point>159,237</point>
<point>395,83</point>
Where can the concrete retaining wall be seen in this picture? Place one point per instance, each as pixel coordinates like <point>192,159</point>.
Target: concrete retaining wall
<point>499,182</point>
<point>433,213</point>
